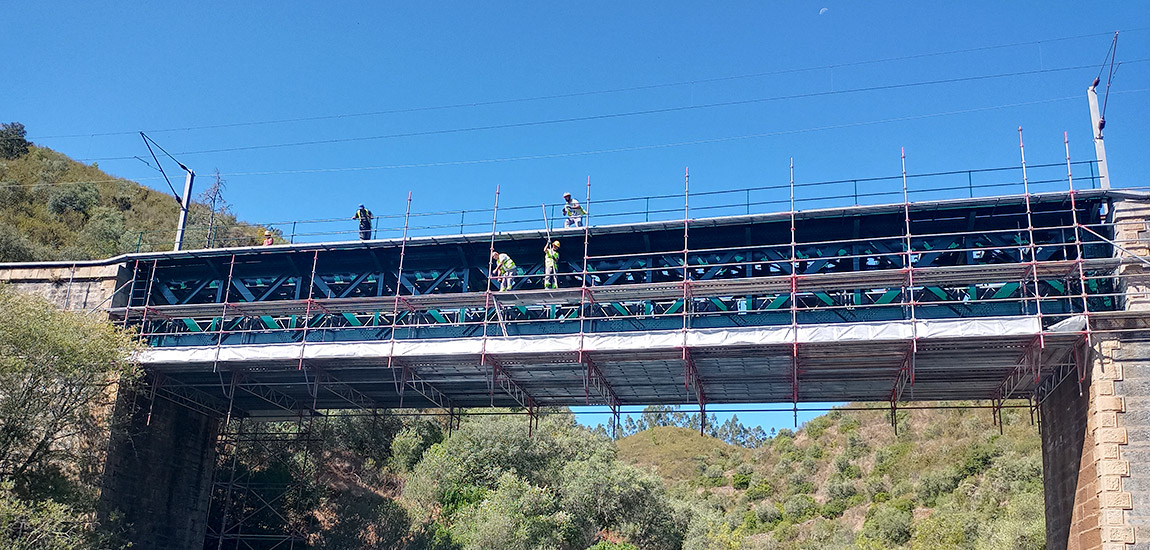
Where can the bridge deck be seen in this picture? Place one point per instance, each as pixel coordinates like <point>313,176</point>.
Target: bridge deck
<point>968,299</point>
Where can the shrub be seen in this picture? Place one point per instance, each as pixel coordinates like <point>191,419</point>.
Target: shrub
<point>714,475</point>
<point>14,247</point>
<point>799,484</point>
<point>800,508</point>
<point>741,481</point>
<point>849,424</point>
<point>841,490</point>
<point>75,198</point>
<point>939,532</point>
<point>769,514</point>
<point>856,447</point>
<point>887,457</point>
<point>888,524</point>
<point>977,459</point>
<point>409,445</point>
<point>833,508</point>
<point>816,427</point>
<point>937,483</point>
<point>50,170</point>
<point>761,489</point>
<point>875,485</point>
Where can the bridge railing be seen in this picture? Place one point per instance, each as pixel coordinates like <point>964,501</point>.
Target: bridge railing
<point>770,198</point>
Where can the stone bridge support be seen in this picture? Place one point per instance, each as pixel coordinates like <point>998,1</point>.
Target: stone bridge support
<point>159,472</point>
<point>1096,434</point>
<point>160,462</point>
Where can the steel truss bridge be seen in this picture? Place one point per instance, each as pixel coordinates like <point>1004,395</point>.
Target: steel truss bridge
<point>980,298</point>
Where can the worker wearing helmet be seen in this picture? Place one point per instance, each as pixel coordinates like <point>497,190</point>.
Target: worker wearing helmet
<point>364,217</point>
<point>551,265</point>
<point>504,269</point>
<point>573,211</point>
<point>268,240</point>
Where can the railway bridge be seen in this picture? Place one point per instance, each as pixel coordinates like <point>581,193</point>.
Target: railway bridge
<point>1036,296</point>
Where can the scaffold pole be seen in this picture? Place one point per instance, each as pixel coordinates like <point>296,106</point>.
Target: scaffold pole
<point>224,316</point>
<point>487,297</point>
<point>1080,261</point>
<point>794,303</point>
<point>395,302</point>
<point>909,273</point>
<point>1031,245</point>
<point>307,306</point>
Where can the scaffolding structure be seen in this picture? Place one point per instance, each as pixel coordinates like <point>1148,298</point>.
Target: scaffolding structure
<point>754,313</point>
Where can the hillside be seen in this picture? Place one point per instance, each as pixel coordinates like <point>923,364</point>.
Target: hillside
<point>676,453</point>
<point>947,480</point>
<point>54,208</point>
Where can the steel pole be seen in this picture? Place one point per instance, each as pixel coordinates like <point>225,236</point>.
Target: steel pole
<point>1096,131</point>
<point>184,208</point>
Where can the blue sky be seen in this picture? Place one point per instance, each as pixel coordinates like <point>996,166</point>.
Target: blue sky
<point>83,77</point>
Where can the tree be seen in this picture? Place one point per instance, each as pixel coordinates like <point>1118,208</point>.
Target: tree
<point>213,197</point>
<point>12,142</point>
<point>57,370</point>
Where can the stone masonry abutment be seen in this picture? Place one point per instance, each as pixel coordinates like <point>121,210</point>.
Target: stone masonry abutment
<point>160,461</point>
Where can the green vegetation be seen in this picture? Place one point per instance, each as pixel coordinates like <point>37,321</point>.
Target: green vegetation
<point>54,208</point>
<point>57,370</point>
<point>845,480</point>
<point>946,480</point>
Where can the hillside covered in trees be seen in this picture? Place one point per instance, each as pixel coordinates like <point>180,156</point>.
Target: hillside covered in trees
<point>54,208</point>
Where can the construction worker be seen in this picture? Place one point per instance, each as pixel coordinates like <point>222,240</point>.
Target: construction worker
<point>504,270</point>
<point>573,211</point>
<point>364,217</point>
<point>268,240</point>
<point>551,265</point>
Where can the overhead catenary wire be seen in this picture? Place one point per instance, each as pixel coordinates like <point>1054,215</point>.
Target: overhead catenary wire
<point>160,167</point>
<point>547,97</point>
<point>545,156</point>
<point>616,115</point>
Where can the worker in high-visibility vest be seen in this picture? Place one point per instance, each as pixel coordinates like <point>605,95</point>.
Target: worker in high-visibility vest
<point>364,216</point>
<point>551,265</point>
<point>573,211</point>
<point>504,270</point>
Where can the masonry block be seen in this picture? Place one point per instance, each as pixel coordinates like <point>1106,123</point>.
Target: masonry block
<point>1113,517</point>
<point>1115,533</point>
<point>1117,500</point>
<point>1113,468</point>
<point>1102,387</point>
<point>158,475</point>
<point>1110,404</point>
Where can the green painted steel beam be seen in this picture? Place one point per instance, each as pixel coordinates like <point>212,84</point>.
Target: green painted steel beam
<point>888,296</point>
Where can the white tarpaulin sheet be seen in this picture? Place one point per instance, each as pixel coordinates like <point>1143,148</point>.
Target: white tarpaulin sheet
<point>621,341</point>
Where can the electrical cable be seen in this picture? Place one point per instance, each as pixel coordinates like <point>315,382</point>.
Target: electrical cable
<point>613,150</point>
<point>661,145</point>
<point>1109,79</point>
<point>625,114</point>
<point>591,92</point>
<point>160,167</point>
